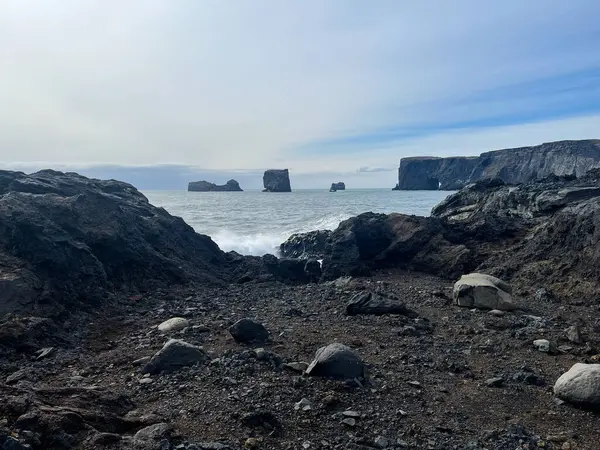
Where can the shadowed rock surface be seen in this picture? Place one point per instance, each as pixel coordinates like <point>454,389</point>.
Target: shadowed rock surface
<point>376,304</point>
<point>206,186</point>
<point>516,165</point>
<point>277,180</point>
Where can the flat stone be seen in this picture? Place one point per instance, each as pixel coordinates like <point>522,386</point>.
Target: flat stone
<point>495,382</point>
<point>174,355</point>
<point>299,367</point>
<point>16,376</point>
<point>174,324</point>
<point>496,313</point>
<point>349,421</point>
<point>351,414</point>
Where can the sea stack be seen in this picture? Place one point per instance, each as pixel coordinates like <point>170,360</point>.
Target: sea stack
<point>206,186</point>
<point>340,186</point>
<point>277,180</point>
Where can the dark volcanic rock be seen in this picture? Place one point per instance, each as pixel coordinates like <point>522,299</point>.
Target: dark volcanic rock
<point>336,361</point>
<point>66,238</point>
<point>341,186</point>
<point>275,180</point>
<point>518,165</point>
<point>247,331</point>
<point>306,245</point>
<point>376,304</point>
<point>206,186</point>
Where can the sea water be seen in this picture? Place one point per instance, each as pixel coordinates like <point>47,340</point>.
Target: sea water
<point>255,223</point>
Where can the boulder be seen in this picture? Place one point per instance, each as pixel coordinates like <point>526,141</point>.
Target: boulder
<point>153,437</point>
<point>206,186</point>
<point>580,385</point>
<point>336,361</point>
<point>478,290</point>
<point>376,304</point>
<point>174,324</point>
<point>276,180</point>
<point>248,331</point>
<point>174,355</point>
<point>306,245</point>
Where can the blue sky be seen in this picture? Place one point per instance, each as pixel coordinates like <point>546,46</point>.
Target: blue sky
<point>158,92</point>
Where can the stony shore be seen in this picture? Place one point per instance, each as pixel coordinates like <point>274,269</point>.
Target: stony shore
<point>437,376</point>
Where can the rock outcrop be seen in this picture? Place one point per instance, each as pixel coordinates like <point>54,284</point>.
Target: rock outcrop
<point>206,186</point>
<point>542,233</point>
<point>518,165</point>
<point>277,180</point>
<point>340,186</point>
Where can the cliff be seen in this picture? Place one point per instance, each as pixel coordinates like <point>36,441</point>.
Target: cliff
<point>206,186</point>
<point>340,186</point>
<point>513,166</point>
<point>277,180</point>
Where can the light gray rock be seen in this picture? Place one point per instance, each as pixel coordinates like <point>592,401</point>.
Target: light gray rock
<point>544,345</point>
<point>574,334</point>
<point>153,437</point>
<point>381,442</point>
<point>479,290</point>
<point>174,355</point>
<point>174,324</point>
<point>336,361</point>
<point>580,385</point>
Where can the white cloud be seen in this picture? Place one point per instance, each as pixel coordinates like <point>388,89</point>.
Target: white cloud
<point>231,84</point>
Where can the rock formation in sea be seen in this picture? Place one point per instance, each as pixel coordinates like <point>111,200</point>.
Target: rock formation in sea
<point>340,186</point>
<point>522,233</point>
<point>517,165</point>
<point>277,180</point>
<point>207,186</point>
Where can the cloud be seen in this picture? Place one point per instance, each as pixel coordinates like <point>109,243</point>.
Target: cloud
<point>319,87</point>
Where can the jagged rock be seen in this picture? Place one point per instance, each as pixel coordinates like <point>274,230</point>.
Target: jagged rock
<point>153,437</point>
<point>478,290</point>
<point>341,186</point>
<point>305,245</point>
<point>174,355</point>
<point>580,385</point>
<point>174,324</point>
<point>248,331</point>
<point>574,334</point>
<point>275,180</point>
<point>336,361</point>
<point>518,165</point>
<point>545,346</point>
<point>206,186</point>
<point>376,304</point>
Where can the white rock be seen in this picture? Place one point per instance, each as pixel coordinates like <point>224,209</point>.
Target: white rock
<point>544,345</point>
<point>580,385</point>
<point>174,324</point>
<point>478,290</point>
<point>496,313</point>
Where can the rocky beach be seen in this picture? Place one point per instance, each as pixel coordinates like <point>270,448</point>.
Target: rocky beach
<point>123,328</point>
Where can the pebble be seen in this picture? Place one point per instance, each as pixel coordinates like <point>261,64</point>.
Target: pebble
<point>251,443</point>
<point>141,361</point>
<point>303,405</point>
<point>544,345</point>
<point>261,354</point>
<point>381,442</point>
<point>496,313</point>
<point>349,421</point>
<point>351,414</point>
<point>146,381</point>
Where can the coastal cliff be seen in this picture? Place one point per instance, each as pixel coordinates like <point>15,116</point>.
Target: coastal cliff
<point>513,166</point>
<point>206,186</point>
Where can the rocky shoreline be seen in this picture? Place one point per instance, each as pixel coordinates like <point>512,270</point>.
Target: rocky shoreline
<point>123,328</point>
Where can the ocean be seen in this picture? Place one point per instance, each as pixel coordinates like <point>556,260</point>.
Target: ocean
<point>255,223</point>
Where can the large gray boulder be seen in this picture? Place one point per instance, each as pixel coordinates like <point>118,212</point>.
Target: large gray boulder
<point>336,361</point>
<point>277,180</point>
<point>174,355</point>
<point>479,290</point>
<point>580,385</point>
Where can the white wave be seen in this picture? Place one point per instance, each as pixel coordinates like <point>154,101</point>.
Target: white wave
<point>258,244</point>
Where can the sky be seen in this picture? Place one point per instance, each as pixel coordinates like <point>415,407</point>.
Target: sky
<point>162,92</point>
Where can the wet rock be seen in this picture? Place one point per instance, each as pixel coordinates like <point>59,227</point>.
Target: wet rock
<point>174,355</point>
<point>305,245</point>
<point>478,290</point>
<point>248,331</point>
<point>174,324</point>
<point>336,361</point>
<point>376,304</point>
<point>580,385</point>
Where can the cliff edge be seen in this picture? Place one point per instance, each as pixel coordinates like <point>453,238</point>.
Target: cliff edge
<point>513,166</point>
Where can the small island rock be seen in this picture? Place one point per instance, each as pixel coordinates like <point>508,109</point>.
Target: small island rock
<point>276,180</point>
<point>206,186</point>
<point>340,186</point>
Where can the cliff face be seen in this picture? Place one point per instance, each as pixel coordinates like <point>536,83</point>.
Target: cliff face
<point>277,180</point>
<point>206,186</point>
<point>518,165</point>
